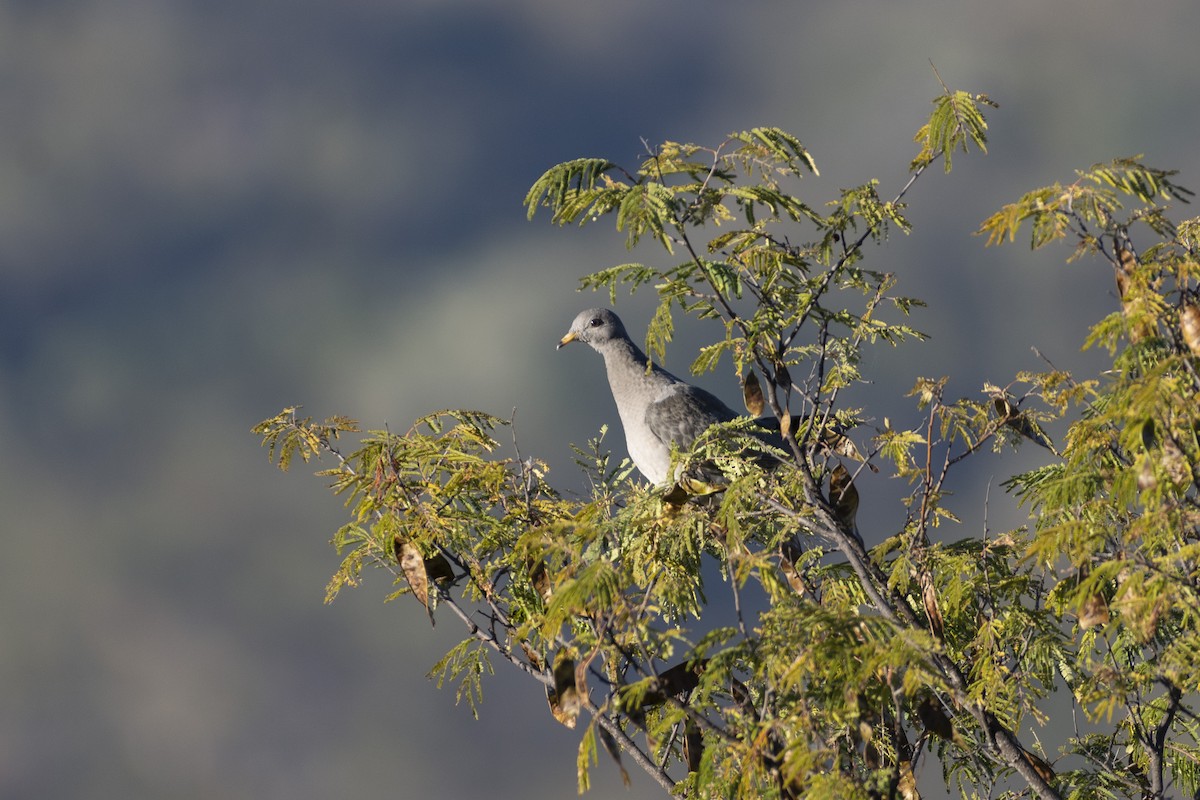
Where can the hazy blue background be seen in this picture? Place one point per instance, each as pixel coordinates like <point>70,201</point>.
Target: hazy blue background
<point>212,209</point>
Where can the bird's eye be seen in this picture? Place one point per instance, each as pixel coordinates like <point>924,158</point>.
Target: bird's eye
<point>596,322</point>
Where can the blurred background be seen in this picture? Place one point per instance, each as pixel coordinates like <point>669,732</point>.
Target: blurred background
<point>213,209</point>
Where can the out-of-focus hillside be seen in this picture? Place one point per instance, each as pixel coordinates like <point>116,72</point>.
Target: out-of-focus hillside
<point>210,210</point>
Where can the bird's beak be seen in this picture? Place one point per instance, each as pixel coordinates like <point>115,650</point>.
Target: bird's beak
<point>566,340</point>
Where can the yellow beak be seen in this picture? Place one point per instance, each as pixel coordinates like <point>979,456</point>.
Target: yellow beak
<point>566,340</point>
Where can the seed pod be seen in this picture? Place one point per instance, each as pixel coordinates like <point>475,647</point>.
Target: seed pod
<point>1189,326</point>
<point>1174,464</point>
<point>540,578</point>
<point>934,718</point>
<point>1146,479</point>
<point>1149,434</point>
<point>614,751</point>
<point>752,393</point>
<point>693,745</point>
<point>1132,292</point>
<point>1011,416</point>
<point>782,376</point>
<point>1094,612</point>
<point>438,569</point>
<point>564,698</point>
<point>413,567</point>
<point>933,611</point>
<point>844,497</point>
<point>1044,770</point>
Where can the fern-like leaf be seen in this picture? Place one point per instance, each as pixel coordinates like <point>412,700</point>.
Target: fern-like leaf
<point>570,188</point>
<point>1131,176</point>
<point>956,122</point>
<point>777,145</point>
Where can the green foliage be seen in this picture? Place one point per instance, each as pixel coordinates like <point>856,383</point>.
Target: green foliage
<point>466,663</point>
<point>286,437</point>
<point>836,670</point>
<point>1118,519</point>
<point>956,122</point>
<point>1088,208</point>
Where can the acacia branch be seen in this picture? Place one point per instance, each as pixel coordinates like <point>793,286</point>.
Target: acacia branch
<point>895,610</point>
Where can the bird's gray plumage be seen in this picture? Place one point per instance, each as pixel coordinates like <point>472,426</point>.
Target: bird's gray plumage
<point>657,409</point>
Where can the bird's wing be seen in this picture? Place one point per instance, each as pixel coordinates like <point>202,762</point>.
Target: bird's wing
<point>683,413</point>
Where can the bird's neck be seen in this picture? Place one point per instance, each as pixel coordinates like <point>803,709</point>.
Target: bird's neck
<point>621,355</point>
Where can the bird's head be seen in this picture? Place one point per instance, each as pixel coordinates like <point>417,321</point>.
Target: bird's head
<point>595,327</point>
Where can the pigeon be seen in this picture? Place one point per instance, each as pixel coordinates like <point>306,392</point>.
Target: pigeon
<point>657,409</point>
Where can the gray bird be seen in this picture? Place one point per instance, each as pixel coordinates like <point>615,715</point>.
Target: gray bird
<point>657,409</point>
